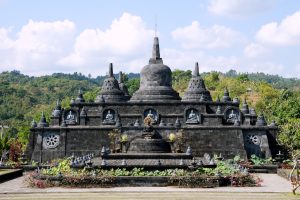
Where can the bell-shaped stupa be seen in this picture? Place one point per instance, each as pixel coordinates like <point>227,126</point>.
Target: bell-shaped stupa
<point>196,90</point>
<point>156,80</point>
<point>110,91</point>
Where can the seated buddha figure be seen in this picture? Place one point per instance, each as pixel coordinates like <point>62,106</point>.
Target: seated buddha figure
<point>192,118</point>
<point>232,117</point>
<point>71,119</point>
<point>109,117</point>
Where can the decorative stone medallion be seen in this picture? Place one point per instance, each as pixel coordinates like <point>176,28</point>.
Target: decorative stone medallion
<point>51,141</point>
<point>253,139</point>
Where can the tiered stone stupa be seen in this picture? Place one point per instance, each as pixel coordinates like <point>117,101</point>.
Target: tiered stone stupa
<point>110,90</point>
<point>199,125</point>
<point>196,90</point>
<point>156,80</point>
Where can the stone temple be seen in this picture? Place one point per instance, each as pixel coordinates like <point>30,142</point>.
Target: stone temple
<point>207,126</point>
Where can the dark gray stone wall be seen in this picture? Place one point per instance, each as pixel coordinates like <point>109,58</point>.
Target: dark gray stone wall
<point>211,135</point>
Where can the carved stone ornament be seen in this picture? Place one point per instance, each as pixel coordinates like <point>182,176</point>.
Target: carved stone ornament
<point>70,118</point>
<point>109,117</point>
<point>51,141</point>
<point>253,139</point>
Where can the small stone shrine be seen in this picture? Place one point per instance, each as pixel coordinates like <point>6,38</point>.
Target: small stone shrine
<point>151,122</point>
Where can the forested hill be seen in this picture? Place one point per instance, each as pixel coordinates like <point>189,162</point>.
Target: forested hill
<point>23,98</point>
<point>275,80</point>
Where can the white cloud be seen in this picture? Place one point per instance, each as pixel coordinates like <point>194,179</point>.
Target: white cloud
<point>285,33</point>
<point>37,46</point>
<point>194,36</point>
<point>5,41</point>
<point>255,50</point>
<point>127,38</point>
<point>185,60</point>
<point>47,47</point>
<point>239,7</point>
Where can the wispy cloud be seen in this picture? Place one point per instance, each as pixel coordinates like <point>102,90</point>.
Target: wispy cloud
<point>239,7</point>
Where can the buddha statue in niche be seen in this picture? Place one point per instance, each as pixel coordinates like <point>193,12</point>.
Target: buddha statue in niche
<point>192,117</point>
<point>109,117</point>
<point>71,118</point>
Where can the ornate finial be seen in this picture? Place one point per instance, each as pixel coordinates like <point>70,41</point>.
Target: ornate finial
<point>226,96</point>
<point>80,96</point>
<point>155,53</point>
<point>57,111</point>
<point>196,70</point>
<point>261,121</point>
<point>245,108</point>
<point>43,122</point>
<point>110,72</point>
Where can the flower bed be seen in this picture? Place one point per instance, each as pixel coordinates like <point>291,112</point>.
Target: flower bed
<point>63,175</point>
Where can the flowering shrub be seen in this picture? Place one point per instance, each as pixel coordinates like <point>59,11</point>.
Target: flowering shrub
<point>62,175</point>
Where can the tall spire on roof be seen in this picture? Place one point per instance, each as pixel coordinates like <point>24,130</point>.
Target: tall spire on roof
<point>196,90</point>
<point>156,59</point>
<point>110,72</point>
<point>196,70</point>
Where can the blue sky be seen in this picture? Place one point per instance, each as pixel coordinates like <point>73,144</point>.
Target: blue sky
<point>43,37</point>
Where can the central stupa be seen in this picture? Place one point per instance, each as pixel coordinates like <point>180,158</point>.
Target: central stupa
<point>156,80</point>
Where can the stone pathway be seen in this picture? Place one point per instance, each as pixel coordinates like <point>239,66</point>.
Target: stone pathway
<point>151,196</point>
<point>273,187</point>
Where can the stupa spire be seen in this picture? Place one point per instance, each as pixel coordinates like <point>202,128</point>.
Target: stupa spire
<point>110,72</point>
<point>155,52</point>
<point>196,70</point>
